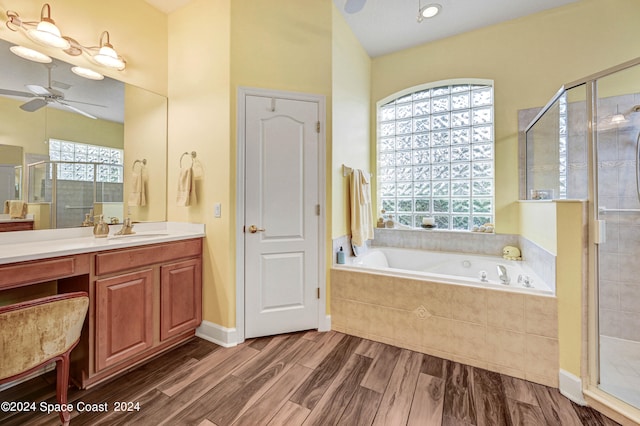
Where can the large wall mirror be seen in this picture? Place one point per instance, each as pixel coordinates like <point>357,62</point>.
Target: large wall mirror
<point>71,145</point>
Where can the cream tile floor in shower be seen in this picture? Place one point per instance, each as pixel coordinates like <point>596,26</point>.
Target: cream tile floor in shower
<point>620,369</point>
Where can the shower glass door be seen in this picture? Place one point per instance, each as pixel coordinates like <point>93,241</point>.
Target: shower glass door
<point>617,125</point>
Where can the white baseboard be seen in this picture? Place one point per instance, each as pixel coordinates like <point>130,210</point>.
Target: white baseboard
<point>225,337</point>
<point>571,387</point>
<point>326,324</point>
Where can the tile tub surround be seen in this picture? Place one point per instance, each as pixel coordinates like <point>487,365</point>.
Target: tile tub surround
<point>534,256</point>
<point>509,333</point>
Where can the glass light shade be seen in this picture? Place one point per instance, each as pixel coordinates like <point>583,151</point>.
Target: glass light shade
<point>30,54</point>
<point>109,58</point>
<point>48,34</point>
<point>87,73</point>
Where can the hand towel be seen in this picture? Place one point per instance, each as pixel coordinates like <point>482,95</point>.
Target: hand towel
<point>137,197</point>
<point>16,209</point>
<point>186,188</point>
<point>361,213</point>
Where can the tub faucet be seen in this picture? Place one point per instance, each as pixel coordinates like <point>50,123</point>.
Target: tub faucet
<point>502,274</point>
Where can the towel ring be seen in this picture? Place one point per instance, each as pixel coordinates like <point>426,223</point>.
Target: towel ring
<point>193,156</point>
<point>143,162</point>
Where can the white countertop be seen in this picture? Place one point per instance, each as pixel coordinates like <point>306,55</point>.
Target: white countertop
<point>20,246</point>
<point>7,218</point>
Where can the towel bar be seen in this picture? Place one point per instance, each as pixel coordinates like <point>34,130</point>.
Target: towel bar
<point>193,155</point>
<point>346,171</point>
<point>143,162</point>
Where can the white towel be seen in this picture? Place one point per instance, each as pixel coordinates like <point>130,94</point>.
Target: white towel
<point>138,196</point>
<point>361,213</point>
<point>186,188</point>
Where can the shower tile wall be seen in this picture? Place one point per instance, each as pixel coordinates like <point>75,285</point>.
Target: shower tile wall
<point>619,266</point>
<point>75,199</point>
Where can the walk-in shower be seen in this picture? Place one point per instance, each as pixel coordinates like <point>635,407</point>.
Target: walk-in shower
<point>585,144</point>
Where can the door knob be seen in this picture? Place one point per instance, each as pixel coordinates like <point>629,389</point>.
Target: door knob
<point>253,229</point>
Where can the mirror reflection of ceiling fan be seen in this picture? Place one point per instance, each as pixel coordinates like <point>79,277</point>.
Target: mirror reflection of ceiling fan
<point>43,96</point>
<point>354,6</point>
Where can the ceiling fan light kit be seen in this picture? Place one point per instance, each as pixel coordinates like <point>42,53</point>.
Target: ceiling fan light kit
<point>46,33</point>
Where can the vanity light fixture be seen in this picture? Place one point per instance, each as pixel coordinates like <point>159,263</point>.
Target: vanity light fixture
<point>30,54</point>
<point>47,33</point>
<point>44,32</point>
<point>428,11</point>
<point>107,55</point>
<point>87,73</point>
<point>104,54</point>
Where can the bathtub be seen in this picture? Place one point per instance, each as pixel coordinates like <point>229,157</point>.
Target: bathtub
<point>451,268</point>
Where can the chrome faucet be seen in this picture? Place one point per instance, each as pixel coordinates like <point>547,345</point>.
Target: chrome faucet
<point>127,228</point>
<point>503,275</point>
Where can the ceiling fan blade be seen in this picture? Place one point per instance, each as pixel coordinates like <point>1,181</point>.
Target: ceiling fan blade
<point>33,105</point>
<point>39,90</point>
<point>354,6</point>
<point>60,85</point>
<point>85,103</point>
<point>79,111</point>
<point>8,92</point>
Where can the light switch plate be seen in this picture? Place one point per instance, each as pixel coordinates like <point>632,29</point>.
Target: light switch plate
<point>217,210</point>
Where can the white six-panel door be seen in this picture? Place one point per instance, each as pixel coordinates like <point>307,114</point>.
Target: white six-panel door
<point>281,215</point>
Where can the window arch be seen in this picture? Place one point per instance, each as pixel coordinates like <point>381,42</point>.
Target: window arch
<point>435,154</point>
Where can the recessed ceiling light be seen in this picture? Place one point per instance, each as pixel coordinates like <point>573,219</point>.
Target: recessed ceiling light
<point>428,11</point>
<point>30,54</point>
<point>87,73</point>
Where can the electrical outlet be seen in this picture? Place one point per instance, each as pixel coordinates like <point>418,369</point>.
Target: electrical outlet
<point>217,212</point>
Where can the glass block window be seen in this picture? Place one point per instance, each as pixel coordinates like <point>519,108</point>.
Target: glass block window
<point>74,161</point>
<point>435,155</point>
<point>562,144</point>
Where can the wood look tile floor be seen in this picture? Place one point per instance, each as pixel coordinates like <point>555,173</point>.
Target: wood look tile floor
<point>307,378</point>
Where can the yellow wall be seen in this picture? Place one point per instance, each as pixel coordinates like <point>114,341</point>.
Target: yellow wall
<point>30,129</point>
<point>570,272</point>
<point>145,136</point>
<point>528,59</point>
<point>199,117</point>
<point>538,223</point>
<point>351,117</point>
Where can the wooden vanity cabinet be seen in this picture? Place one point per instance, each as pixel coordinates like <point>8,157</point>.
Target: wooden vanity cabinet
<point>180,297</point>
<point>147,299</point>
<point>124,317</point>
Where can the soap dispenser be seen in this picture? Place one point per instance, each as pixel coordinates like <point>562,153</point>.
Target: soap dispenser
<point>100,229</point>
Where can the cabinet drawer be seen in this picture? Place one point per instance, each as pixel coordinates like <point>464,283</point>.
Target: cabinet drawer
<point>43,270</point>
<point>126,259</point>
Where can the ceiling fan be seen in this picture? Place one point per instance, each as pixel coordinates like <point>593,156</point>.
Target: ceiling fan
<point>354,6</point>
<point>43,96</point>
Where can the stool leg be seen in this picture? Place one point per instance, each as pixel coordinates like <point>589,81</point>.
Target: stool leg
<point>62,385</point>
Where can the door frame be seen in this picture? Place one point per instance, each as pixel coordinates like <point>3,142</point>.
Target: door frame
<point>243,92</point>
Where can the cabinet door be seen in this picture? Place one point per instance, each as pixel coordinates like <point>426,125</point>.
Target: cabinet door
<point>124,317</point>
<point>180,297</point>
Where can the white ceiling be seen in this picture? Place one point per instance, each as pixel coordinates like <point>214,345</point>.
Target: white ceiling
<point>386,26</point>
